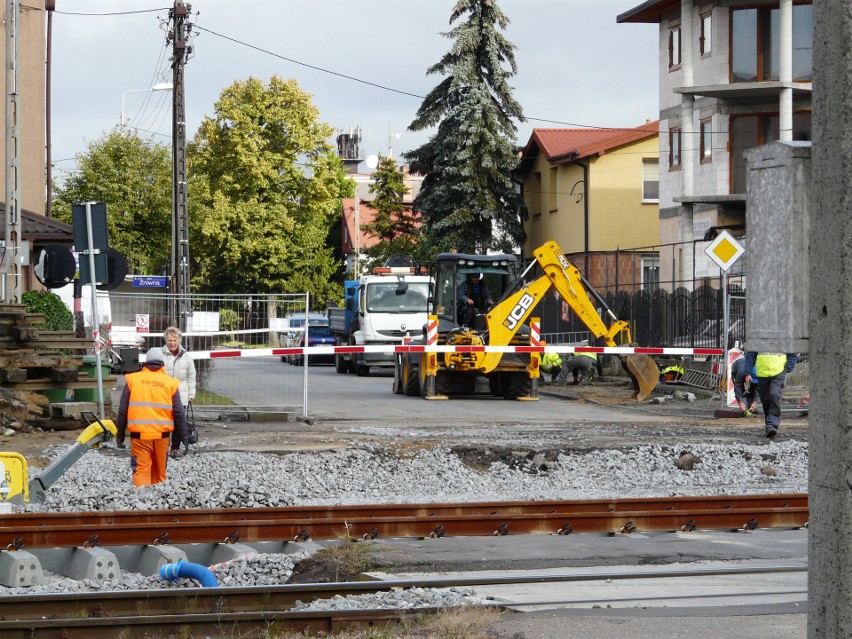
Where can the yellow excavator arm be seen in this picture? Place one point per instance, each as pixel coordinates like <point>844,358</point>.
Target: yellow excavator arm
<point>505,318</point>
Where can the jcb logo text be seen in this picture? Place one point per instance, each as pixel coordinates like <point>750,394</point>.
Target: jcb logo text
<point>519,311</point>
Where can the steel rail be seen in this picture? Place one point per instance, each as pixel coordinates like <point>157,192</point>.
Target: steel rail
<point>37,530</point>
<point>32,610</point>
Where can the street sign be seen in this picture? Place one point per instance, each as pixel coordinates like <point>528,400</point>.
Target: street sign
<point>724,250</point>
<point>149,281</point>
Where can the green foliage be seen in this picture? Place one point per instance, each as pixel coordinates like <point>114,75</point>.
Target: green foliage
<point>229,319</point>
<point>266,189</point>
<point>468,198</point>
<point>133,176</point>
<point>57,317</point>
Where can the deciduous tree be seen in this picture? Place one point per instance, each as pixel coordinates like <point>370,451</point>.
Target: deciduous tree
<point>133,176</point>
<point>468,198</point>
<point>266,187</point>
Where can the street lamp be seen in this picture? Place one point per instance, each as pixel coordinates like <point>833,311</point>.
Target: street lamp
<point>161,86</point>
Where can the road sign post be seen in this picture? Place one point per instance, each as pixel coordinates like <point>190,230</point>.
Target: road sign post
<point>724,251</point>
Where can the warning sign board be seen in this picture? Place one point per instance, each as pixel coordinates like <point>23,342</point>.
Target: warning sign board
<point>141,323</point>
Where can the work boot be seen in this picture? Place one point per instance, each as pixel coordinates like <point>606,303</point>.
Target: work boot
<point>771,431</point>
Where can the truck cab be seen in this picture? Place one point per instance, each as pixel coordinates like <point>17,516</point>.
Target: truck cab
<point>386,307</point>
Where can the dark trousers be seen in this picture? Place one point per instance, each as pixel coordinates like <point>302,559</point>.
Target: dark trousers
<point>771,390</point>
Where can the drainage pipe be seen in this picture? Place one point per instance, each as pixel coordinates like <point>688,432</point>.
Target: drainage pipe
<point>189,570</point>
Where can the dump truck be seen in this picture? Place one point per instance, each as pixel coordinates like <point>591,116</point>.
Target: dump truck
<point>513,374</point>
<point>386,307</point>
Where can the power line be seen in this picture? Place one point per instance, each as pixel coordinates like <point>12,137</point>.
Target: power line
<point>309,66</point>
<point>112,13</point>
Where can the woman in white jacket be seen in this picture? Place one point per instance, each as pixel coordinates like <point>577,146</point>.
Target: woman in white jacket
<point>179,363</point>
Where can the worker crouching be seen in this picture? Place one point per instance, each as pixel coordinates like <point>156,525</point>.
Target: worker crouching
<point>152,412</point>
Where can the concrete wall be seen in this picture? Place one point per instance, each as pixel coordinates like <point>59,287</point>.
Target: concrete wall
<point>830,436</point>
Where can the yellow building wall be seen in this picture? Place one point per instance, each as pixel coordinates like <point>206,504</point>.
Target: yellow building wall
<point>620,219</point>
<point>617,216</point>
<point>32,177</point>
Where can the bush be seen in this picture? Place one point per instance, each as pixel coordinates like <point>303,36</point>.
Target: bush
<point>57,317</point>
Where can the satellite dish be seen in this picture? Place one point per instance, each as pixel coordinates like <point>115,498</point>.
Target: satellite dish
<point>372,161</point>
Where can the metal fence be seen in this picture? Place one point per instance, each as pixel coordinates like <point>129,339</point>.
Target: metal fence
<point>671,295</point>
<point>219,322</point>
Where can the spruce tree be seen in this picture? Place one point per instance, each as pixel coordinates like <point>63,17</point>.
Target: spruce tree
<point>468,199</point>
<point>394,225</point>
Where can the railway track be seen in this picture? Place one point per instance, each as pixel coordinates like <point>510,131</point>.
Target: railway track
<point>40,530</point>
<point>243,611</point>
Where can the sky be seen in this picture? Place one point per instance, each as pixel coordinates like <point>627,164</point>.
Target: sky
<point>576,65</point>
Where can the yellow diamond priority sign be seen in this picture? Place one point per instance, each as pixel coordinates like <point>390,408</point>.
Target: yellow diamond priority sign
<point>724,250</point>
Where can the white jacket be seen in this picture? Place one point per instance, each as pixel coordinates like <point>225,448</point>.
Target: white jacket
<point>182,368</point>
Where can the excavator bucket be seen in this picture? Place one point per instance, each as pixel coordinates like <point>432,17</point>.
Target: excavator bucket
<point>644,373</point>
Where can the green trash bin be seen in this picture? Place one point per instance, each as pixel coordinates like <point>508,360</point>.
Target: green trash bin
<point>89,366</point>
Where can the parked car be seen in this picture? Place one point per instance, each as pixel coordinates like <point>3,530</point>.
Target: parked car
<point>319,336</point>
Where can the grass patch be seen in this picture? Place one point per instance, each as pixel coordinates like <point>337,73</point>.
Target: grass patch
<point>205,398</point>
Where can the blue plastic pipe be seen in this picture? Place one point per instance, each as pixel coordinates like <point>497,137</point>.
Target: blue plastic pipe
<point>188,570</point>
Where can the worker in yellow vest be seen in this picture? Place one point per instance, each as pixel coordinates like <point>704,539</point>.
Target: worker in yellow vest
<point>772,370</point>
<point>584,364</point>
<point>551,363</point>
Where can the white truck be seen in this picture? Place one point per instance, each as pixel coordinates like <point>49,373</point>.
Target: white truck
<point>383,308</point>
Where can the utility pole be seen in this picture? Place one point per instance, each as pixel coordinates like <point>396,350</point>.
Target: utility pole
<point>180,216</point>
<point>12,255</point>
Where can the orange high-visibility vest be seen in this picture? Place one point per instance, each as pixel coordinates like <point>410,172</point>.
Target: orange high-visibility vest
<point>149,412</point>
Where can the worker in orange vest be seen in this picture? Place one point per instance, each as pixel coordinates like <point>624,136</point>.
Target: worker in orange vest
<point>152,412</point>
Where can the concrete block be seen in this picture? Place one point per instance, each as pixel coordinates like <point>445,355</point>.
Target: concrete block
<point>80,563</point>
<point>153,557</point>
<point>71,410</point>
<point>19,568</point>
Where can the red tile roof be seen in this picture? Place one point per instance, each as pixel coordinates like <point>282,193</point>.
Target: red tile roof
<point>564,145</point>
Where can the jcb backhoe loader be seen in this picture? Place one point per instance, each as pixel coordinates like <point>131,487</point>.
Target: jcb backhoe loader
<point>512,375</point>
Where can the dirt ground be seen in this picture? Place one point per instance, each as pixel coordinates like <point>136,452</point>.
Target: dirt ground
<point>681,414</point>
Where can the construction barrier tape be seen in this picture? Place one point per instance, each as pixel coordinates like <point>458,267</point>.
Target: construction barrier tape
<point>422,348</point>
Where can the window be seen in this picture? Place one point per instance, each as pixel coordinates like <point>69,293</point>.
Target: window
<point>650,274</point>
<point>553,189</point>
<point>749,131</point>
<point>650,180</point>
<point>674,47</point>
<point>674,148</point>
<point>706,141</point>
<point>755,43</point>
<point>705,39</point>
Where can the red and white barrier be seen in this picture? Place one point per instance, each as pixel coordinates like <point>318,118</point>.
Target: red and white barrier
<point>422,348</point>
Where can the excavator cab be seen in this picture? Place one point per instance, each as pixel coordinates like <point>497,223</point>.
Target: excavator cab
<point>454,283</point>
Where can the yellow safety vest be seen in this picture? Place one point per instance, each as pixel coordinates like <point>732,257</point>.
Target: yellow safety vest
<point>550,361</point>
<point>593,356</point>
<point>770,364</point>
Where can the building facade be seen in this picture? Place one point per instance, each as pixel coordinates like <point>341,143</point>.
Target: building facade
<point>595,192</point>
<point>734,74</point>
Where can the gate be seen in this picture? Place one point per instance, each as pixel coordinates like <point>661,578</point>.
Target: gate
<point>222,322</point>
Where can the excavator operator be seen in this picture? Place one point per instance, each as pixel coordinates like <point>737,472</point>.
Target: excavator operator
<point>473,298</point>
